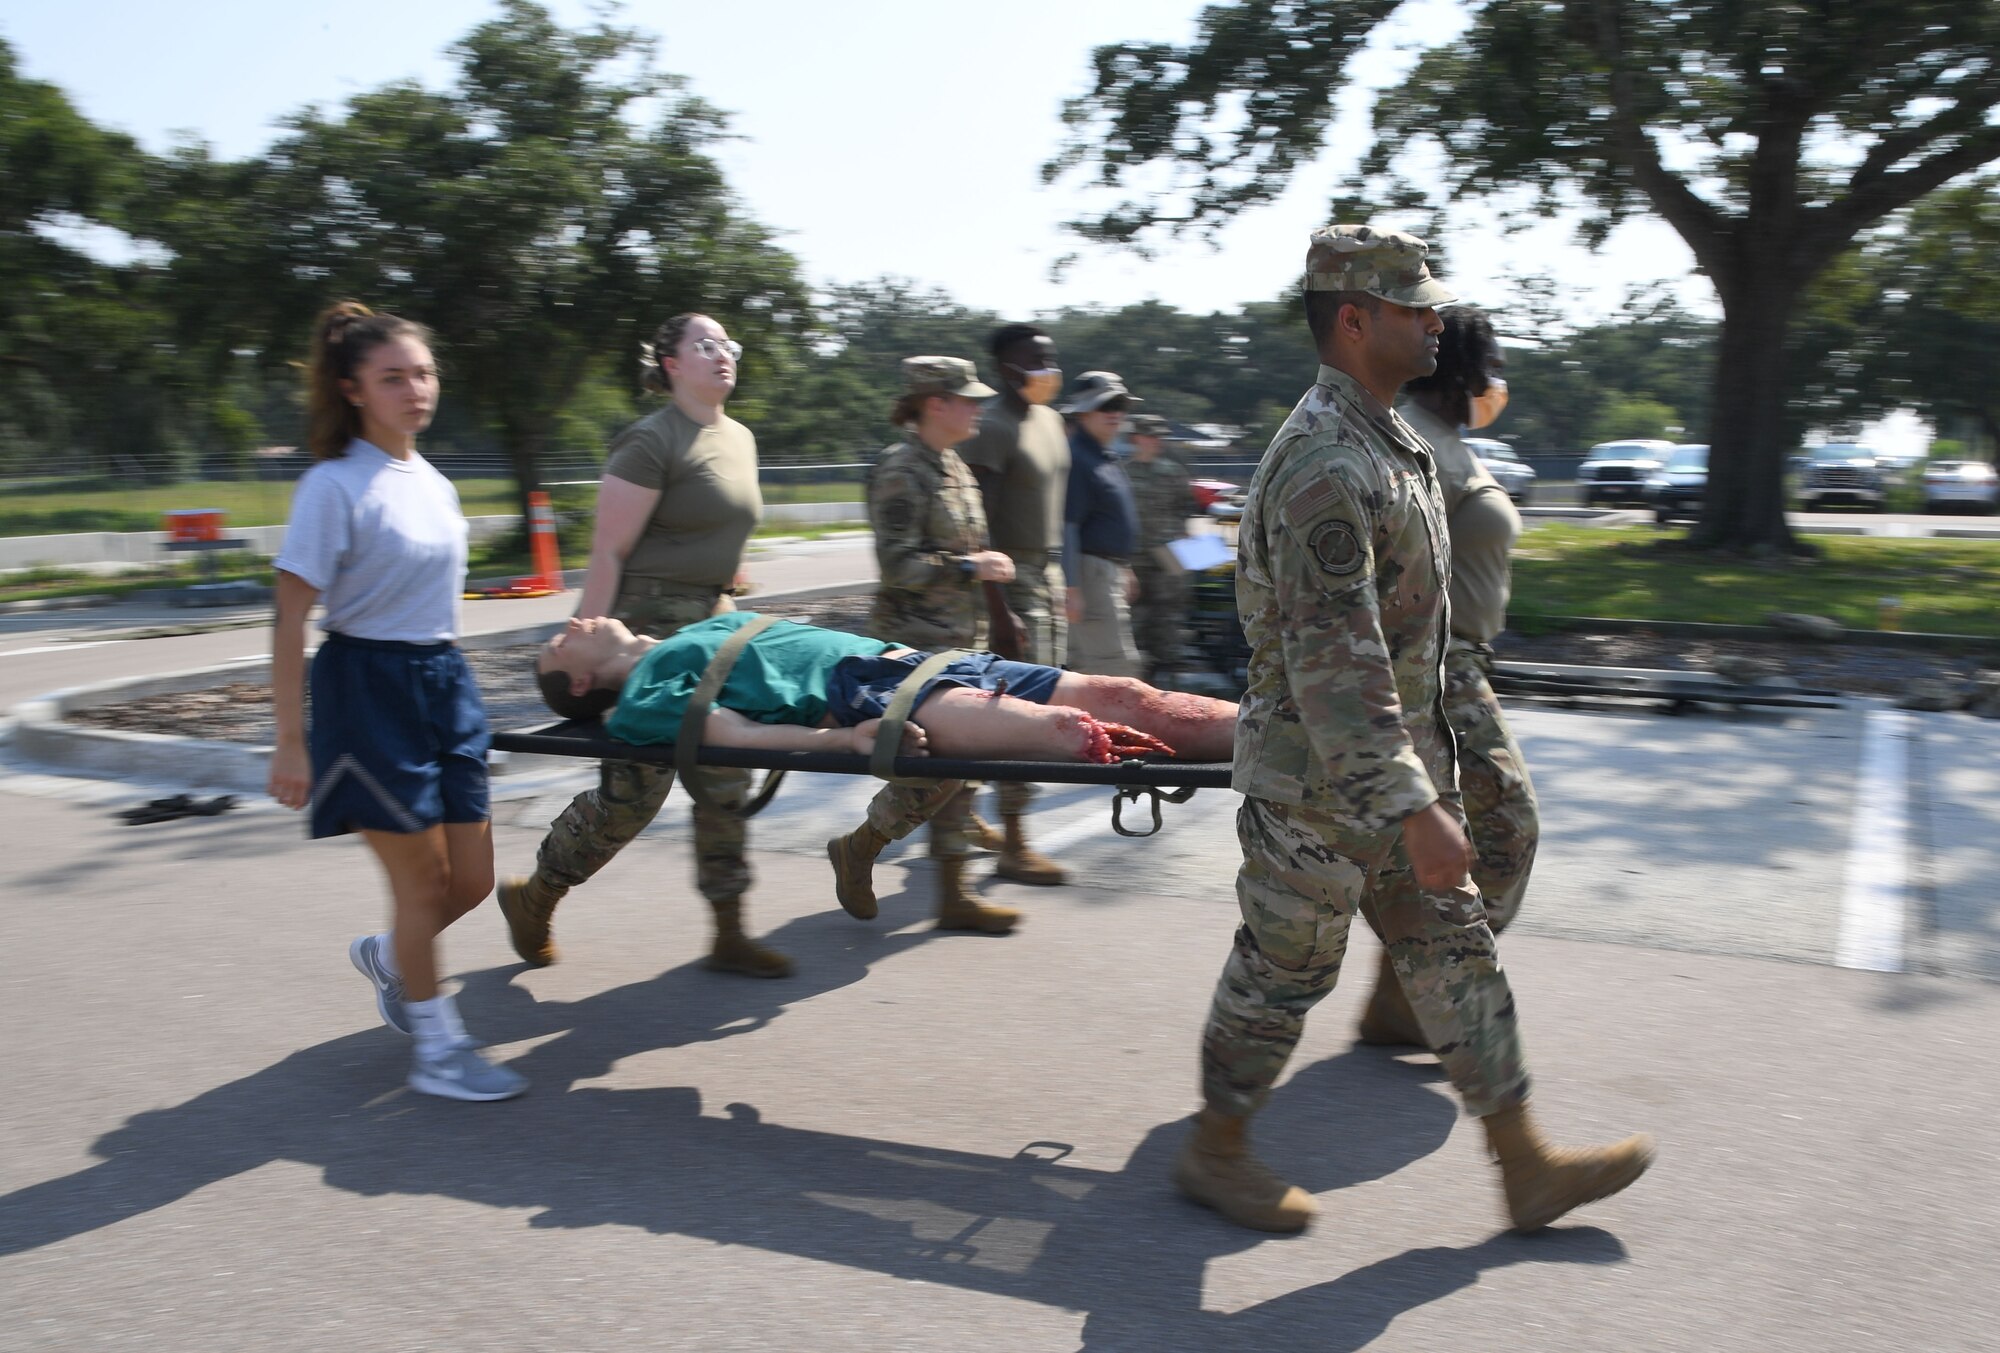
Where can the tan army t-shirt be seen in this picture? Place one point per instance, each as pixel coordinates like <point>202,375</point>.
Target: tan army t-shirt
<point>709,501</point>
<point>1483,526</point>
<point>1030,458</point>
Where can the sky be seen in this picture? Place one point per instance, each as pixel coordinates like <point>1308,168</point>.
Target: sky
<point>884,137</point>
<point>878,137</point>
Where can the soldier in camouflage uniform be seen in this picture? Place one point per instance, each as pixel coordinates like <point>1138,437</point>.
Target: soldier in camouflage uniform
<point>932,552</point>
<point>1165,495</point>
<point>1020,456</point>
<point>677,505</point>
<point>1346,761</point>
<point>1499,798</point>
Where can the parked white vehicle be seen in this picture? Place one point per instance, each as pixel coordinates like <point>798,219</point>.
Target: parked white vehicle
<point>1616,472</point>
<point>1960,486</point>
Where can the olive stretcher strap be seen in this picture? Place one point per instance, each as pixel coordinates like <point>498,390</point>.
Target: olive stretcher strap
<point>889,737</point>
<point>687,742</point>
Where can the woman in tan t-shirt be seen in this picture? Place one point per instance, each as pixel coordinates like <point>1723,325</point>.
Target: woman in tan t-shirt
<point>676,507</point>
<point>1466,392</point>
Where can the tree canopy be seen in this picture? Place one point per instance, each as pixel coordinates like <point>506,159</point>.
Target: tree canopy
<point>1768,133</point>
<point>522,214</point>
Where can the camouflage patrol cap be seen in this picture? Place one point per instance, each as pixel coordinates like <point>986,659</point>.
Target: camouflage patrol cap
<point>1148,425</point>
<point>1384,263</point>
<point>943,376</point>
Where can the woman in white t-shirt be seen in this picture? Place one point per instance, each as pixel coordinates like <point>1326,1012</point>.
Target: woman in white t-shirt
<point>397,745</point>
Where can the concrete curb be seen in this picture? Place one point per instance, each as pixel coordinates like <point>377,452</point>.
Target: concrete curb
<point>1751,633</point>
<point>38,732</point>
<point>78,603</point>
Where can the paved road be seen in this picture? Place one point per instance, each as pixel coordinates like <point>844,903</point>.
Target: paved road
<point>934,1142</point>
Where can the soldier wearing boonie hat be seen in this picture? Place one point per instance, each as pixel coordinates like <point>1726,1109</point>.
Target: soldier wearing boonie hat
<point>933,553</point>
<point>1345,761</point>
<point>1165,499</point>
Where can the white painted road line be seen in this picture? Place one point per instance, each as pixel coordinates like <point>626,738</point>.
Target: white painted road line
<point>1878,864</point>
<point>60,648</point>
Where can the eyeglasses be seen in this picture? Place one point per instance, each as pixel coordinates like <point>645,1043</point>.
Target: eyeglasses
<point>712,349</point>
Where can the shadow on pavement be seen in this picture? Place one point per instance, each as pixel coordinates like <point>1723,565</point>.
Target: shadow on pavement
<point>1117,1245</point>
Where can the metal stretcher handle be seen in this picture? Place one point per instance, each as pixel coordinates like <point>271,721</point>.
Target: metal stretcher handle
<point>1154,795</point>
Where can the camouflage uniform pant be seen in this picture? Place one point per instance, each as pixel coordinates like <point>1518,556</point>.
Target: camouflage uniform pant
<point>600,822</point>
<point>1304,876</point>
<point>1036,595</point>
<point>1500,807</point>
<point>1160,614</point>
<point>899,809</point>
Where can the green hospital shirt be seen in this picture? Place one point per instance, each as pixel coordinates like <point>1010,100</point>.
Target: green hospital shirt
<point>780,678</point>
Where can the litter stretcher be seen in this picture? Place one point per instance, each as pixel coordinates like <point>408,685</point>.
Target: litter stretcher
<point>1154,780</point>
<point>1676,692</point>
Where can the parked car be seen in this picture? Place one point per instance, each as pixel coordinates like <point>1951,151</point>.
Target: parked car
<point>1512,473</point>
<point>1840,472</point>
<point>1960,486</point>
<point>1676,488</point>
<point>1616,472</point>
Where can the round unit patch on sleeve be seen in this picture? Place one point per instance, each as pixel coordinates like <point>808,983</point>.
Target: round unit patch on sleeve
<point>1337,548</point>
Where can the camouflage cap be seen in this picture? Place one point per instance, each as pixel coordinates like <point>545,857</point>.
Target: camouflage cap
<point>1384,263</point>
<point>1095,389</point>
<point>943,376</point>
<point>1148,425</point>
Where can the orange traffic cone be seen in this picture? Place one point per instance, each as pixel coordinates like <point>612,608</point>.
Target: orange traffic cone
<point>547,576</point>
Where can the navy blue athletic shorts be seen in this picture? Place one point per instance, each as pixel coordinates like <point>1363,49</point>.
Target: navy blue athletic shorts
<point>859,688</point>
<point>397,736</point>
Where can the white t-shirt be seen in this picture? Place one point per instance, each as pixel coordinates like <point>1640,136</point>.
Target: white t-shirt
<point>384,541</point>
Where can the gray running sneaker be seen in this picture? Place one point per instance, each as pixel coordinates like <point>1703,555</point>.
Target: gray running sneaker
<point>459,1072</point>
<point>388,988</point>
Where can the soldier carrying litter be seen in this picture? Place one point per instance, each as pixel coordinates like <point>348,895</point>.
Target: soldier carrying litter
<point>1346,762</point>
<point>932,551</point>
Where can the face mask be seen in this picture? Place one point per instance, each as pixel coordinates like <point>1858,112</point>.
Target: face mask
<point>1486,408</point>
<point>1038,387</point>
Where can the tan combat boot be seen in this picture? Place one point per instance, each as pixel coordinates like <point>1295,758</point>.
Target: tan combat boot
<point>528,904</point>
<point>1217,1170</point>
<point>736,952</point>
<point>960,910</point>
<point>1543,1182</point>
<point>853,857</point>
<point>1388,1022</point>
<point>984,834</point>
<point>1021,862</point>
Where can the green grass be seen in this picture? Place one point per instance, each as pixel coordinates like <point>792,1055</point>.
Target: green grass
<point>248,503</point>
<point>1643,573</point>
<point>34,512</point>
